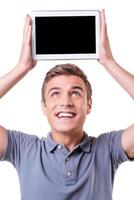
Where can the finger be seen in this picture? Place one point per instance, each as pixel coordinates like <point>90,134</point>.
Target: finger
<point>28,43</point>
<point>103,25</point>
<point>29,19</point>
<point>103,20</point>
<point>29,35</point>
<point>26,27</point>
<point>103,16</point>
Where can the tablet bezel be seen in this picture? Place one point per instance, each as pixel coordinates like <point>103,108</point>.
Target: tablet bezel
<point>47,13</point>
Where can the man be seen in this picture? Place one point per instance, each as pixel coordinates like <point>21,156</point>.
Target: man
<point>68,164</point>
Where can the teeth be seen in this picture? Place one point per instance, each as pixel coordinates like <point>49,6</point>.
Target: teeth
<point>70,115</point>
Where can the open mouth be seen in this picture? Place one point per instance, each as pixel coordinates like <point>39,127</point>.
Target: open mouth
<point>66,115</point>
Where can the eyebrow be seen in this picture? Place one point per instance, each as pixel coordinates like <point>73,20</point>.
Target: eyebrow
<point>78,88</point>
<point>58,88</point>
<point>54,88</point>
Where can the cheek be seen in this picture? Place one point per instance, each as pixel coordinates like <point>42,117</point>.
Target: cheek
<point>83,109</point>
<point>50,108</point>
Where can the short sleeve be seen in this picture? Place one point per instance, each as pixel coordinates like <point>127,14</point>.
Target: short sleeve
<point>109,147</point>
<point>116,150</point>
<point>18,142</point>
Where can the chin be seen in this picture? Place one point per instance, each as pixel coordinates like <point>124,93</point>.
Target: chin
<point>65,130</point>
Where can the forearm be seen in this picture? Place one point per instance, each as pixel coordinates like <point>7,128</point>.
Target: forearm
<point>11,78</point>
<point>25,64</point>
<point>123,77</point>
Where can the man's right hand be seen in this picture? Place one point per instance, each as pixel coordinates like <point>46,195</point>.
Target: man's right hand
<point>26,61</point>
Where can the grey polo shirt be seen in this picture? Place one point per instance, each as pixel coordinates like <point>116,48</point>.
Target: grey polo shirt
<point>47,171</point>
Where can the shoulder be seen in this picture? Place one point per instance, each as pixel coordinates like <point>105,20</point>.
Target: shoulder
<point>21,138</point>
<point>108,139</point>
<point>110,136</point>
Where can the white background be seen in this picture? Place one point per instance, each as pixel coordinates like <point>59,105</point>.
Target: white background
<point>113,109</point>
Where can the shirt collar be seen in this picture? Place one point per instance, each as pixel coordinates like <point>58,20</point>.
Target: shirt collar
<point>50,143</point>
<point>85,145</point>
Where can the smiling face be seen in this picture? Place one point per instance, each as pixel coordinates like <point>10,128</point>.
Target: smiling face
<point>66,104</point>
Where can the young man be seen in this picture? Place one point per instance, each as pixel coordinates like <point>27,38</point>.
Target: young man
<point>68,164</point>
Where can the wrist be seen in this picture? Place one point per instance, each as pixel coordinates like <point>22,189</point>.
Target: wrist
<point>108,62</point>
<point>21,69</point>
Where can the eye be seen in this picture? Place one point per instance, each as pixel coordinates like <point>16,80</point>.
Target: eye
<point>56,93</point>
<point>76,93</point>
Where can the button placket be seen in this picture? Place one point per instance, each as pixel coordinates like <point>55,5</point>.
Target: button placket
<point>69,173</point>
<point>68,158</point>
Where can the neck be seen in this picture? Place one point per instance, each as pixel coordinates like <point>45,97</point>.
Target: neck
<point>68,139</point>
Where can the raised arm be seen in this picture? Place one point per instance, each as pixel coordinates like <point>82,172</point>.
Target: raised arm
<point>123,77</point>
<point>25,64</point>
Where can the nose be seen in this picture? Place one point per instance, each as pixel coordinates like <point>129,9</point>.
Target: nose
<point>66,100</point>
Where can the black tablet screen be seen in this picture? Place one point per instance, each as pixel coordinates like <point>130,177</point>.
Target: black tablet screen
<point>65,35</point>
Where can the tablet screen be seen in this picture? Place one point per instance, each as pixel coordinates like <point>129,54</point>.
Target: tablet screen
<point>65,35</point>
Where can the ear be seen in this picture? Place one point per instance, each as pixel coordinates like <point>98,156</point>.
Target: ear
<point>89,106</point>
<point>43,107</point>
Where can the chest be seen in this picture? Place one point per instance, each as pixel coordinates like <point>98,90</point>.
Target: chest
<point>59,174</point>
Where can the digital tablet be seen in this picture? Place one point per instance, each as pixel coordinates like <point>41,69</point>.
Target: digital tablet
<point>65,34</point>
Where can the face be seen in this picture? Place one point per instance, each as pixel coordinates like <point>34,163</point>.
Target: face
<point>66,104</point>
